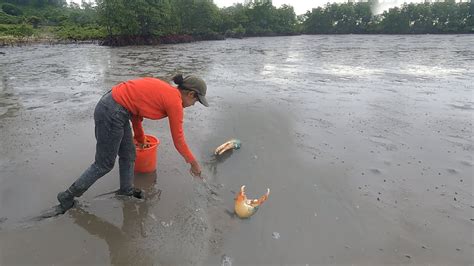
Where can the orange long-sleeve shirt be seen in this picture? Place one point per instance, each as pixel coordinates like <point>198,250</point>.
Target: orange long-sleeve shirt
<point>154,99</point>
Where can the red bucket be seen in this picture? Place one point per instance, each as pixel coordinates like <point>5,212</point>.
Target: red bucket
<point>145,161</point>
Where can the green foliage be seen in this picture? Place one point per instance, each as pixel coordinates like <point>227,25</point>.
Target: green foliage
<point>259,19</point>
<point>439,17</point>
<point>8,19</point>
<point>285,20</point>
<point>37,3</point>
<point>233,17</point>
<point>21,30</point>
<point>201,18</point>
<point>78,33</point>
<point>34,21</point>
<point>237,32</point>
<point>139,17</point>
<point>82,16</point>
<point>11,9</point>
<point>196,16</point>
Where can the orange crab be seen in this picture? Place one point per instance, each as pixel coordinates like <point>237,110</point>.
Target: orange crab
<point>244,208</point>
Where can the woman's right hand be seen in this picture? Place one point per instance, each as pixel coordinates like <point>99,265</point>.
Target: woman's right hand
<point>195,169</point>
<point>144,144</point>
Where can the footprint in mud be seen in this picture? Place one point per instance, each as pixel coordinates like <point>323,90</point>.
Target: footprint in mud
<point>351,92</point>
<point>320,91</point>
<point>392,90</point>
<point>452,171</point>
<point>375,171</point>
<point>48,213</point>
<point>427,92</point>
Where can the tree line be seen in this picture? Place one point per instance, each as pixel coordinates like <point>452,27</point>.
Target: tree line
<point>148,21</point>
<point>438,17</point>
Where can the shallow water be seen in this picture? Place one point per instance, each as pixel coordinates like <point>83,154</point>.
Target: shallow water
<point>364,141</point>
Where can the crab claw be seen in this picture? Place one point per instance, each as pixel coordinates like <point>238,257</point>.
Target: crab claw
<point>262,199</point>
<point>241,197</point>
<point>231,144</point>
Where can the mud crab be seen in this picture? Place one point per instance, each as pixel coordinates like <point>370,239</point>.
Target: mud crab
<point>244,208</point>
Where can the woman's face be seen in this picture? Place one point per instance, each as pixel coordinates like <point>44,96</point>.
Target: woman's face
<point>189,98</point>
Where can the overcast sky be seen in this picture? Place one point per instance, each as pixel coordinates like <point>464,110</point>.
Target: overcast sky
<point>301,6</point>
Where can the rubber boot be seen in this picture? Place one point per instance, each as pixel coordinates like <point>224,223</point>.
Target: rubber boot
<point>126,167</point>
<point>66,198</point>
<point>134,192</point>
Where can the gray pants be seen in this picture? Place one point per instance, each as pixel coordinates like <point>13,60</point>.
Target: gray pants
<point>114,137</point>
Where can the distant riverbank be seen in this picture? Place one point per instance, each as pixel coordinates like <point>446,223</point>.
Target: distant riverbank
<point>123,23</point>
<point>141,40</point>
<point>109,41</point>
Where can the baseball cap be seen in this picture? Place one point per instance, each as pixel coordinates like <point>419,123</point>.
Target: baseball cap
<point>197,85</point>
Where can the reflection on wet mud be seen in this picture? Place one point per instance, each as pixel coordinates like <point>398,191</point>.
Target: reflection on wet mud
<point>120,240</point>
<point>123,241</point>
<point>9,104</point>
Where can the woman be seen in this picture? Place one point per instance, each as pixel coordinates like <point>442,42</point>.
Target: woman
<point>134,100</point>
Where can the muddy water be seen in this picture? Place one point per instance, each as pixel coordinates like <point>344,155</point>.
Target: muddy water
<point>364,141</point>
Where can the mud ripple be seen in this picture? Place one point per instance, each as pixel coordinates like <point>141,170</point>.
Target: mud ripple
<point>467,107</point>
<point>383,142</point>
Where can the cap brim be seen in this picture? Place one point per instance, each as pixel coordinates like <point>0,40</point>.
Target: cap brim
<point>203,100</point>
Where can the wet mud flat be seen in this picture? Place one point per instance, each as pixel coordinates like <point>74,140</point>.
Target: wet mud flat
<point>365,142</point>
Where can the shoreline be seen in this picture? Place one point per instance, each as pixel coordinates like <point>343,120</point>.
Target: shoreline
<point>6,41</point>
<point>11,41</point>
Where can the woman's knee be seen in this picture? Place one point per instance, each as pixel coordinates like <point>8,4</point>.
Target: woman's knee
<point>129,158</point>
<point>105,166</point>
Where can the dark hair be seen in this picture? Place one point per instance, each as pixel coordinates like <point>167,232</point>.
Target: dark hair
<point>178,80</point>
